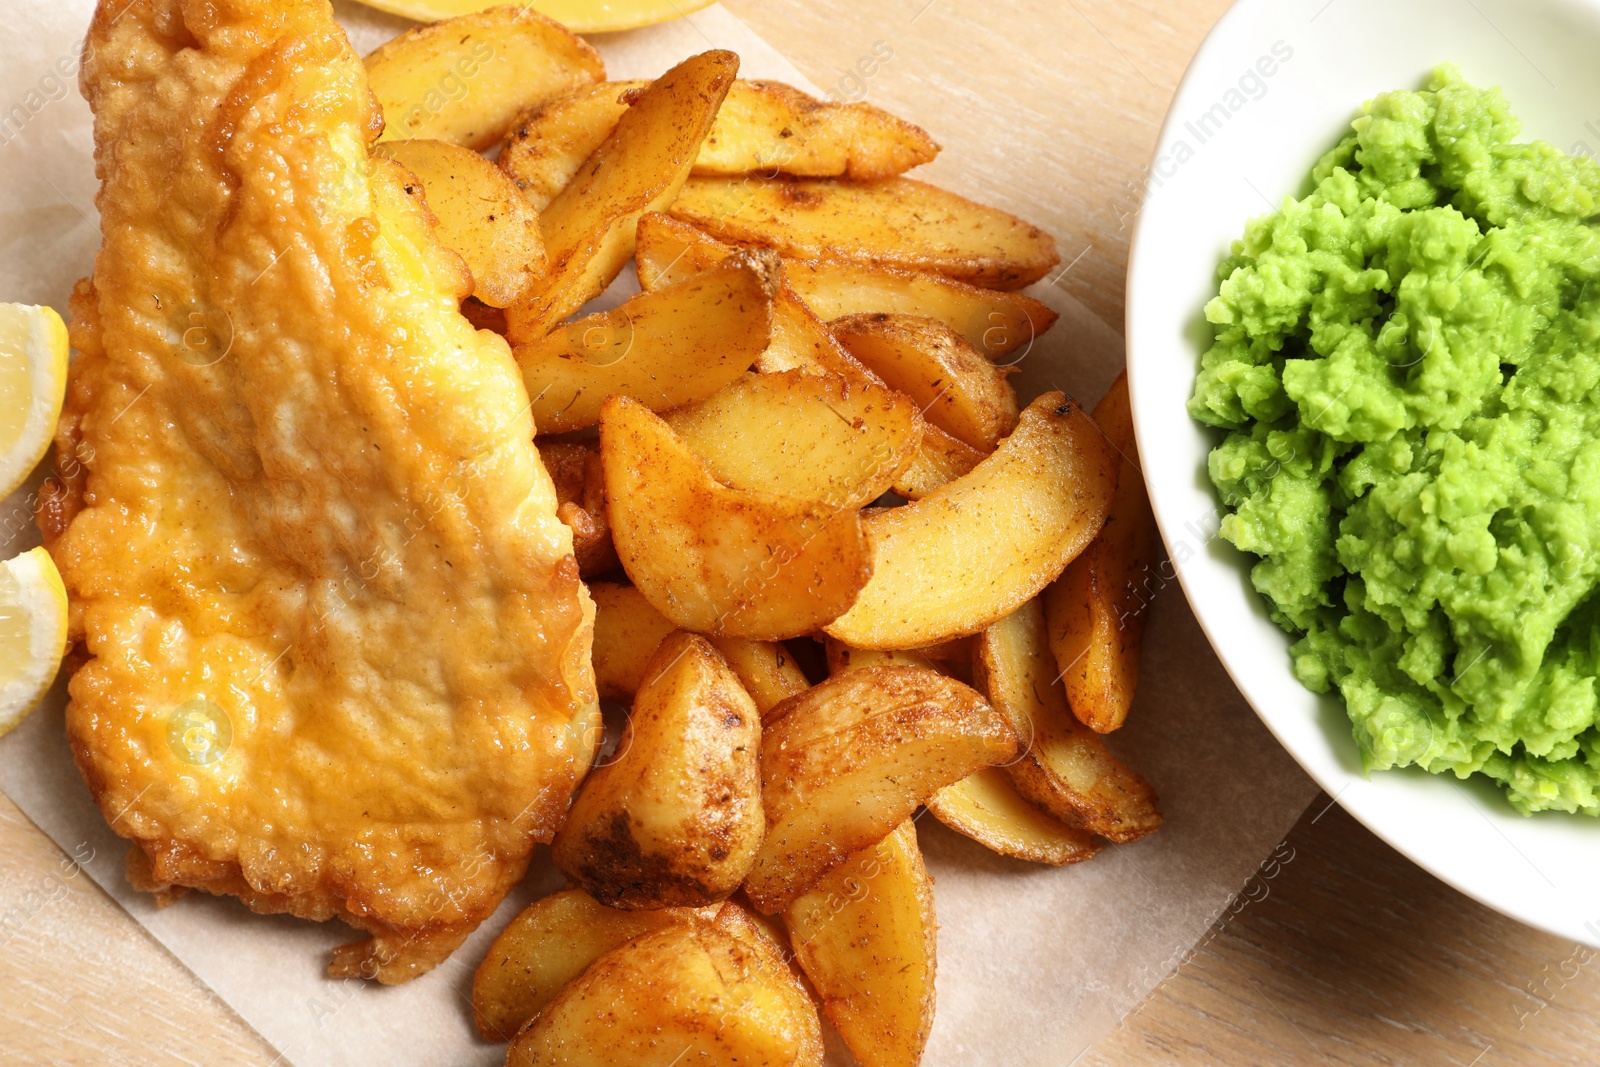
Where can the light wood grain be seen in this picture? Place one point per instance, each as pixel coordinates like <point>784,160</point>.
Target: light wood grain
<point>1353,956</point>
<point>1048,108</point>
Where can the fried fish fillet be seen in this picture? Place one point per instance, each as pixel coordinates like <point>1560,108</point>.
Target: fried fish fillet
<point>337,646</point>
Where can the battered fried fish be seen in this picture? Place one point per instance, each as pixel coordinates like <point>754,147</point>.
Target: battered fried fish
<point>337,647</point>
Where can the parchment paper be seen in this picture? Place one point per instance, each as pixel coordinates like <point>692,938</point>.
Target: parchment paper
<point>1035,963</point>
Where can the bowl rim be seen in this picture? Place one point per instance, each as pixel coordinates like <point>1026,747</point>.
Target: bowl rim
<point>1334,780</point>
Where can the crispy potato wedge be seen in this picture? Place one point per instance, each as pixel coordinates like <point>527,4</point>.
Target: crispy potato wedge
<point>580,16</point>
<point>995,324</point>
<point>865,938</point>
<point>547,945</point>
<point>688,993</point>
<point>847,761</point>
<point>896,222</point>
<point>675,819</point>
<point>765,669</point>
<point>548,144</point>
<point>715,559</point>
<point>480,216</point>
<point>808,436</point>
<point>940,460</point>
<point>972,551</point>
<point>1096,608</point>
<point>762,126</point>
<point>627,632</point>
<point>667,348</point>
<point>589,227</point>
<point>464,80</point>
<point>669,251</point>
<point>1066,768</point>
<point>986,807</point>
<point>958,390</point>
<point>771,127</point>
<point>581,503</point>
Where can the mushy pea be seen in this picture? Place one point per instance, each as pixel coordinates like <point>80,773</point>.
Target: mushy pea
<point>1408,364</point>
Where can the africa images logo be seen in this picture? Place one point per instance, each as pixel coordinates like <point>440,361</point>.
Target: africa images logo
<point>199,732</point>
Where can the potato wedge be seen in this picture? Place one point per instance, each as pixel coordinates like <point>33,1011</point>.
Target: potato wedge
<point>547,945</point>
<point>865,938</point>
<point>480,216</point>
<point>1096,608</point>
<point>769,127</point>
<point>974,550</point>
<point>1066,768</point>
<point>581,503</point>
<point>580,16</point>
<point>807,436</point>
<point>589,227</point>
<point>841,657</point>
<point>765,669</point>
<point>762,126</point>
<point>627,632</point>
<point>690,993</point>
<point>667,348</point>
<point>670,251</point>
<point>995,324</point>
<point>847,761</point>
<point>547,144</point>
<point>986,807</point>
<point>896,222</point>
<point>957,389</point>
<point>718,560</point>
<point>464,80</point>
<point>940,460</point>
<point>675,819</point>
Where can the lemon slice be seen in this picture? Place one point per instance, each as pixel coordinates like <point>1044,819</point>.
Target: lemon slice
<point>33,632</point>
<point>33,379</point>
<point>579,16</point>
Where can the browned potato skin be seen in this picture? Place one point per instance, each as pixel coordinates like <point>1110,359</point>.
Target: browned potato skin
<point>581,503</point>
<point>547,945</point>
<point>1095,611</point>
<point>719,560</point>
<point>809,436</point>
<point>669,347</point>
<point>995,324</point>
<point>957,389</point>
<point>762,126</point>
<point>896,222</point>
<point>627,632</point>
<point>669,998</point>
<point>589,227</point>
<point>847,761</point>
<point>937,571</point>
<point>510,58</point>
<point>765,668</point>
<point>767,126</point>
<point>986,807</point>
<point>548,143</point>
<point>669,251</point>
<point>478,214</point>
<point>675,819</point>
<point>865,938</point>
<point>1065,767</point>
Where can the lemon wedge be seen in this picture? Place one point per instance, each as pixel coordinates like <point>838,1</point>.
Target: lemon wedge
<point>33,379</point>
<point>579,16</point>
<point>33,632</point>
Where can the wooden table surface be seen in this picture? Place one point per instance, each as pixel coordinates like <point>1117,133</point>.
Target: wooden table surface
<point>1350,955</point>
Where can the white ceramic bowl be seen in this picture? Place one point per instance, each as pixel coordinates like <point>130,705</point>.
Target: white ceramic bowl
<point>1273,87</point>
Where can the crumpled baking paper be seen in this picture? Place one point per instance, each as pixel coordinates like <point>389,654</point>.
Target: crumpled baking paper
<point>1035,963</point>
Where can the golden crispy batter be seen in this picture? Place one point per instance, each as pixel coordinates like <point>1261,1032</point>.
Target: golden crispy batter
<point>338,647</point>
